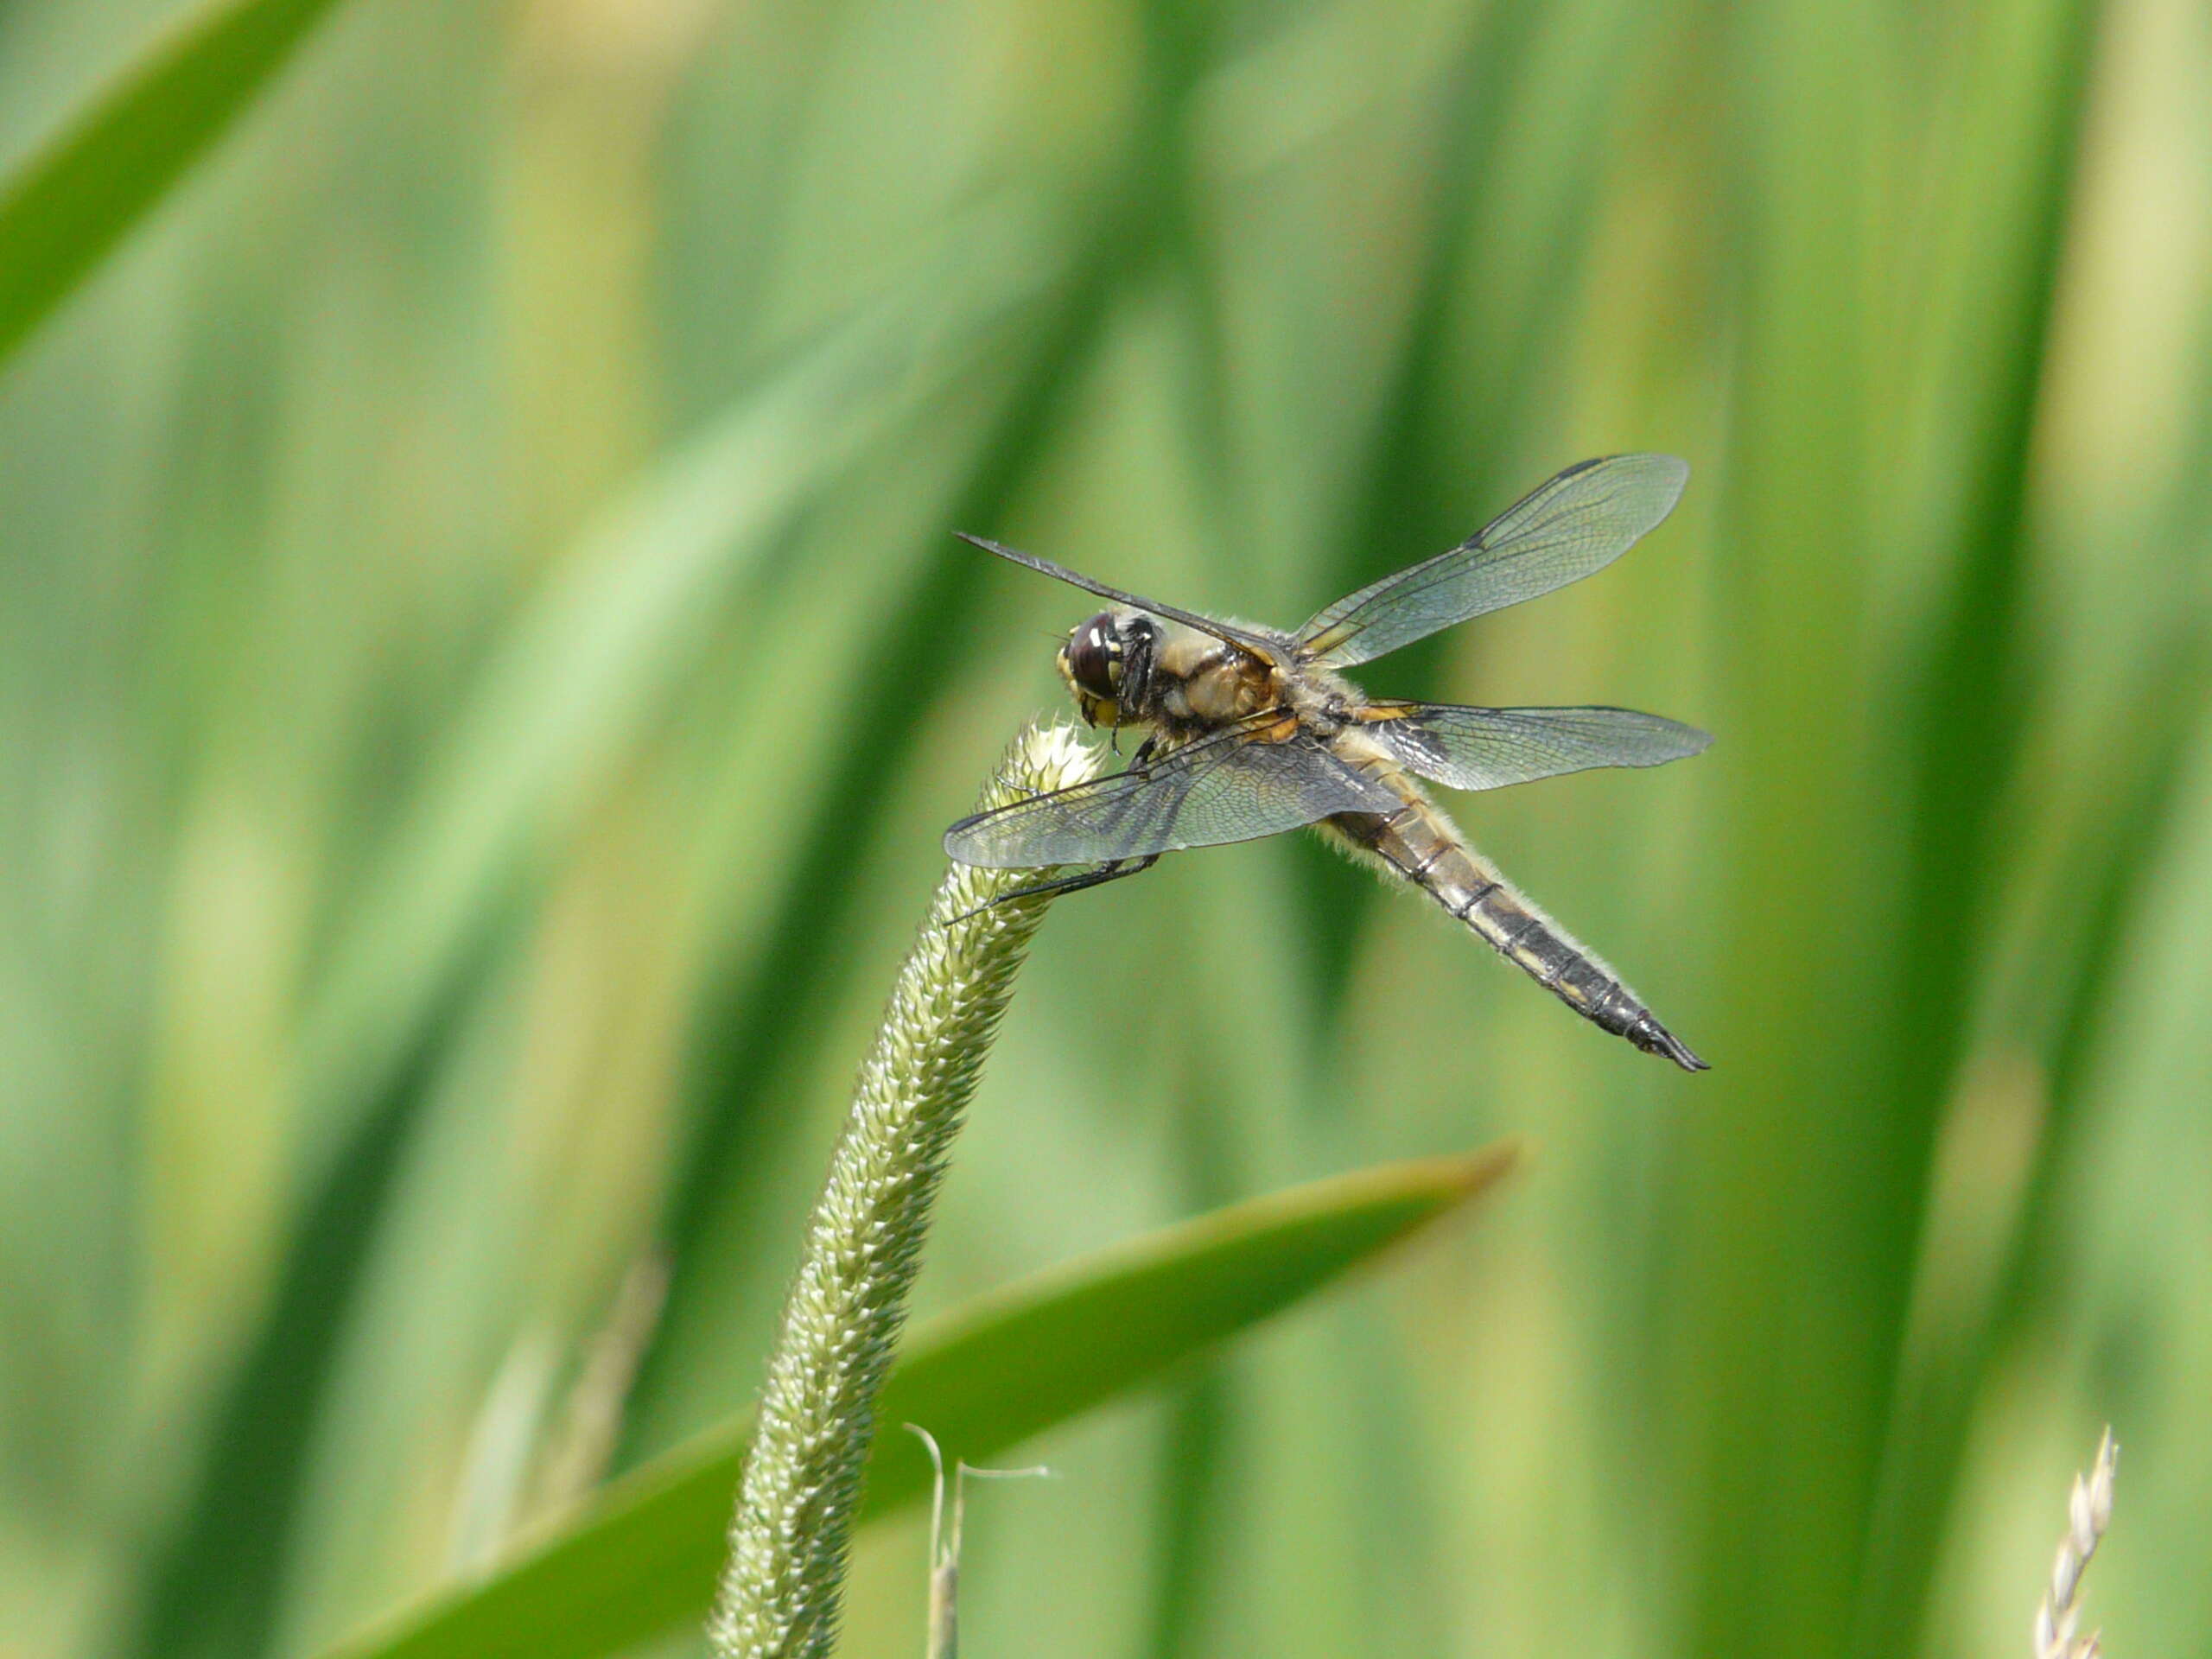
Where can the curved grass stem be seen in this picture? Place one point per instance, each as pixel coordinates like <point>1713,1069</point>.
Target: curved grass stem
<point>780,1591</point>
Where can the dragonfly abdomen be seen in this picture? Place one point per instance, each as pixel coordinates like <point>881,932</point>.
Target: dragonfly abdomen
<point>1418,842</point>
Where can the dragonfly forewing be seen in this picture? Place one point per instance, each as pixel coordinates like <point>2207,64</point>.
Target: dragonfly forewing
<point>1268,644</point>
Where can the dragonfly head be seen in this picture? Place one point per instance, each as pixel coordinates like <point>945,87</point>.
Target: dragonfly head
<point>1105,663</point>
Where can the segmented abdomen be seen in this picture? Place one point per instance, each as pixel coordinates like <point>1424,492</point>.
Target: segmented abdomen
<point>1420,843</point>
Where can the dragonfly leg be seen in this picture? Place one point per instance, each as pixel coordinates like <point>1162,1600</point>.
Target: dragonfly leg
<point>1113,870</point>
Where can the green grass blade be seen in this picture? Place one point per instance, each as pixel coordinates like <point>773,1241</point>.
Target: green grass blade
<point>983,1378</point>
<point>79,194</point>
<point>213,1588</point>
<point>2082,948</point>
<point>1800,1144</point>
<point>591,661</point>
<point>1967,720</point>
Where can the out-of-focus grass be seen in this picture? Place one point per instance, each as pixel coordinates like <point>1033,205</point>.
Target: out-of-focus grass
<point>483,668</point>
<point>995,1372</point>
<point>67,204</point>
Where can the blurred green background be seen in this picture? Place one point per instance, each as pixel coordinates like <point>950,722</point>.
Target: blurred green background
<point>484,667</point>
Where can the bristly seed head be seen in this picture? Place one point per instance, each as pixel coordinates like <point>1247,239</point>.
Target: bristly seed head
<point>801,1483</point>
<point>2088,1512</point>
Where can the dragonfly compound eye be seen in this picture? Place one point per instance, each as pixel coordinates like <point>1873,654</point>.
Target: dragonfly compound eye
<point>1093,656</point>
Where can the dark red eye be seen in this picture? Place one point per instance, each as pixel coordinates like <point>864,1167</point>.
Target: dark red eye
<point>1093,651</point>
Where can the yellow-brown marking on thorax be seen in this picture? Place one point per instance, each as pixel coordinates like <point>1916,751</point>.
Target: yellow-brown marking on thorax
<point>1207,682</point>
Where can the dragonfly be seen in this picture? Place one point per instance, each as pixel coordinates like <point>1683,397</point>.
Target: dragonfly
<point>1250,732</point>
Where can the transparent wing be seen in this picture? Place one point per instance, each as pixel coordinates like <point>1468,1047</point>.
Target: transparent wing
<point>1489,748</point>
<point>1266,643</point>
<point>1577,524</point>
<point>1228,787</point>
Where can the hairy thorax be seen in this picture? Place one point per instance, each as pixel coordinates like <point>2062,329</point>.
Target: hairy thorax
<point>1204,683</point>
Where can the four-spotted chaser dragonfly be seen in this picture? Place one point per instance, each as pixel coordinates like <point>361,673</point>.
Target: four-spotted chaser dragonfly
<point>1250,732</point>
